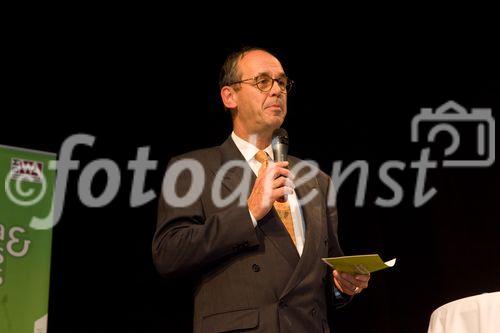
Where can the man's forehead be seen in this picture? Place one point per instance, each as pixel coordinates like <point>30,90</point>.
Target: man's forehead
<point>259,62</point>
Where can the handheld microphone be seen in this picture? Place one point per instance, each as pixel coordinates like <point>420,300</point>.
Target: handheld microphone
<point>280,150</point>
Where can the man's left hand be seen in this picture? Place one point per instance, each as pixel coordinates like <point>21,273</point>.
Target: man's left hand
<point>350,284</point>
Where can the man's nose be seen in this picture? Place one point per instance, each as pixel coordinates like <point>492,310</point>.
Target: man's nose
<point>275,89</point>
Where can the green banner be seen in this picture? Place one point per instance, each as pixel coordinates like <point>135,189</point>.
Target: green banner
<point>26,197</point>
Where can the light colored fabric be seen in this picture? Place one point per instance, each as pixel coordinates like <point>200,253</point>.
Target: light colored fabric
<point>476,314</point>
<point>249,150</point>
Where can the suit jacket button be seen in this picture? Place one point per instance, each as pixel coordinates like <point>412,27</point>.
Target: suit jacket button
<point>256,268</point>
<point>313,312</point>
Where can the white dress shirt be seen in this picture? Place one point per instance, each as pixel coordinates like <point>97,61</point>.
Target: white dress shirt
<point>248,151</point>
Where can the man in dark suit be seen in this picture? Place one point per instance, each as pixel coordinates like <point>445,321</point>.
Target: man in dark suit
<point>256,263</point>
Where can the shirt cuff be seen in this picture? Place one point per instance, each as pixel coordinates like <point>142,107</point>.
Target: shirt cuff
<point>254,221</point>
<point>340,299</point>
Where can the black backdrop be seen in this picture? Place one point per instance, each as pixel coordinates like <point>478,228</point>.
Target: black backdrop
<point>355,96</point>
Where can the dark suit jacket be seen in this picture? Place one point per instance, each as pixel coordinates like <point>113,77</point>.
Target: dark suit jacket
<point>248,278</point>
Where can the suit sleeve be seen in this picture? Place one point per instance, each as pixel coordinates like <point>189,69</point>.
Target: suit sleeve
<point>188,239</point>
<point>338,299</point>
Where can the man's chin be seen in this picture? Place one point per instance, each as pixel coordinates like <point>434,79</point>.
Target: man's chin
<point>276,122</point>
<point>272,122</point>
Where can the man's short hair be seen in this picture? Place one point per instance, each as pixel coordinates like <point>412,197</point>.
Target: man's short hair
<point>229,72</point>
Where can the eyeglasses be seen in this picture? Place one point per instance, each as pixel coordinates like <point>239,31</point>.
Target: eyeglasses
<point>265,83</point>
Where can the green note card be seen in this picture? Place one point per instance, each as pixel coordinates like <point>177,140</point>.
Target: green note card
<point>361,264</point>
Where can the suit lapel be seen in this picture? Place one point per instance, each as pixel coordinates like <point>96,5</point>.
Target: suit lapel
<point>272,227</point>
<point>234,176</point>
<point>311,213</point>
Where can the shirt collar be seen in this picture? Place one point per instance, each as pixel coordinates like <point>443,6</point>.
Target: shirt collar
<point>247,149</point>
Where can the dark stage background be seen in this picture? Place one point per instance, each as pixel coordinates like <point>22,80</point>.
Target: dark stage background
<point>355,96</point>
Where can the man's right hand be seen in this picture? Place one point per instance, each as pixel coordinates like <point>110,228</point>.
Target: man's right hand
<point>272,183</point>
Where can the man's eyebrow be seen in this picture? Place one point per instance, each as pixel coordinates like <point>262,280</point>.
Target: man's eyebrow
<point>280,75</point>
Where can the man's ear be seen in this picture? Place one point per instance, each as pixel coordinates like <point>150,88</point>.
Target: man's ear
<point>228,97</point>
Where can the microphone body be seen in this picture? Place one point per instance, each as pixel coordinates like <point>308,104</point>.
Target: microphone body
<point>280,150</point>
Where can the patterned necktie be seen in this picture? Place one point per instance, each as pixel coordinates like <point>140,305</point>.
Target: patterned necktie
<point>282,208</point>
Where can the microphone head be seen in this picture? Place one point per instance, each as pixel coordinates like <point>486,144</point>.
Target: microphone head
<point>280,135</point>
<point>280,144</point>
